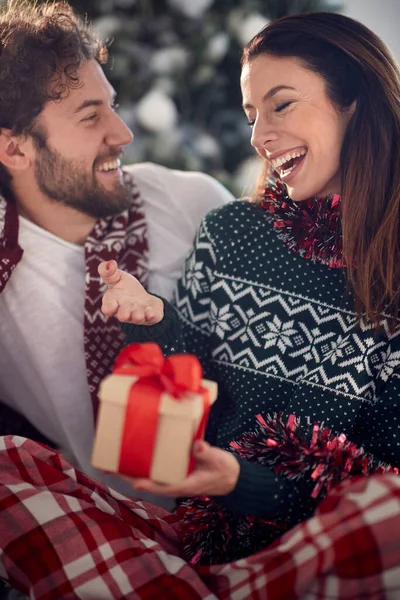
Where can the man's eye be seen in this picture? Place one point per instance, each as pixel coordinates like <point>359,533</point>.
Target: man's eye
<point>91,117</point>
<point>282,106</point>
<point>251,122</point>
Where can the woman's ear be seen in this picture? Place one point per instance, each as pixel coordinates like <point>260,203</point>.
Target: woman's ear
<point>352,108</point>
<point>15,150</point>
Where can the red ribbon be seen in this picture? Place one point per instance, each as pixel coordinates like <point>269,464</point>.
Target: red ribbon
<point>176,375</point>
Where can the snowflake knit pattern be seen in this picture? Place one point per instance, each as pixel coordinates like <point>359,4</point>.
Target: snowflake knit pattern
<point>279,332</point>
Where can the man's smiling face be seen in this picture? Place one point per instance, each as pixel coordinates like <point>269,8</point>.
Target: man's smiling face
<point>78,145</point>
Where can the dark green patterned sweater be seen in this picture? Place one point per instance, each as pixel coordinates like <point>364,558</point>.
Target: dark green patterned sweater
<point>279,333</point>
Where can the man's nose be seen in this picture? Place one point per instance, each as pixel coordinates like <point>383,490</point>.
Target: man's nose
<point>119,133</point>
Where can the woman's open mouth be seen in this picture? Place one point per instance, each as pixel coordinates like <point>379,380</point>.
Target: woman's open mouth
<point>287,165</point>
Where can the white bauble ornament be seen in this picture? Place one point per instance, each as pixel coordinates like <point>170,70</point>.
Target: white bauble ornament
<point>156,111</point>
<point>106,26</point>
<point>207,146</point>
<point>218,47</point>
<point>246,28</point>
<point>193,9</point>
<point>169,60</point>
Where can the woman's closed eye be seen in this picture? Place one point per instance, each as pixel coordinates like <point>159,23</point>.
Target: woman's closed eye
<point>283,105</point>
<point>280,108</point>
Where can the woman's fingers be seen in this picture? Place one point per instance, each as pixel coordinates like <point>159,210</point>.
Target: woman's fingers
<point>109,272</point>
<point>109,306</point>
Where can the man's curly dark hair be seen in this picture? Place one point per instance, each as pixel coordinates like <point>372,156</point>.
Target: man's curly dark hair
<point>42,47</point>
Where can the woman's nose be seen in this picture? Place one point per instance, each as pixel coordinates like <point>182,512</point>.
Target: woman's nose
<point>262,134</point>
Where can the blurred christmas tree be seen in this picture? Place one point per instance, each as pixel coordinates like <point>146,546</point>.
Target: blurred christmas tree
<point>175,66</point>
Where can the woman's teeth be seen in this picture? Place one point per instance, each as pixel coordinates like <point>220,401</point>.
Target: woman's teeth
<point>284,172</point>
<point>278,163</point>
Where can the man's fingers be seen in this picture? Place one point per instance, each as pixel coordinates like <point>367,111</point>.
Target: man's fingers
<point>109,272</point>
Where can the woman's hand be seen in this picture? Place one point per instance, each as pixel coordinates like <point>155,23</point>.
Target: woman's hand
<point>216,474</point>
<point>127,299</point>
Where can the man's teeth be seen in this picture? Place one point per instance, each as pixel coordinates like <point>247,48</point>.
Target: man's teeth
<point>278,162</point>
<point>110,166</point>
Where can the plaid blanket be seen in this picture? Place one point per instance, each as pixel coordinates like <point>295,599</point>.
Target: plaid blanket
<point>63,535</point>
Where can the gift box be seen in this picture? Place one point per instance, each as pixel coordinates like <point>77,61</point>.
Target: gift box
<point>151,411</point>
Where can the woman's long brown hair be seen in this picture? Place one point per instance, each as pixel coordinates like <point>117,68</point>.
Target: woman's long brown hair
<point>356,66</point>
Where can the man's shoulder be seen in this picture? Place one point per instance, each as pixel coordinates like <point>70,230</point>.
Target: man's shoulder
<point>183,190</point>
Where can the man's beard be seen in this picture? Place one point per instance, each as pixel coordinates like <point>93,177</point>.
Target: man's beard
<point>65,181</point>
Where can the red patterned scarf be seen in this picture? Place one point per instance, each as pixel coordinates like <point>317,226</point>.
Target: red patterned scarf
<point>122,238</point>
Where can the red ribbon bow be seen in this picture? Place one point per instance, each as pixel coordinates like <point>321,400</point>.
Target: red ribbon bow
<point>178,374</point>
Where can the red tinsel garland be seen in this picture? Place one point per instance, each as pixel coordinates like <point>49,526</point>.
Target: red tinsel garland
<point>310,227</point>
<point>327,458</point>
<point>212,534</point>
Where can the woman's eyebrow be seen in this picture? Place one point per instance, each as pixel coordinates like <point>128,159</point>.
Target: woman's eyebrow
<point>271,93</point>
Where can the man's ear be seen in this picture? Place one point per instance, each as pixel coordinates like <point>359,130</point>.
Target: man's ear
<point>15,150</point>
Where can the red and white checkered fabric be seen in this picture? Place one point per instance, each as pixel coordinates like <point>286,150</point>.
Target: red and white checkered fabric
<point>65,536</point>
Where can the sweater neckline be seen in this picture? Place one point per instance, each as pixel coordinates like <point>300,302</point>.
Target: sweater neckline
<point>312,227</point>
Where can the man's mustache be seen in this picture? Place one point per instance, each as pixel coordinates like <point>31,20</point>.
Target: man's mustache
<point>109,156</point>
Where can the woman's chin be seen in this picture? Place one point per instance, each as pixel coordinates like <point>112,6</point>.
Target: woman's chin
<point>297,195</point>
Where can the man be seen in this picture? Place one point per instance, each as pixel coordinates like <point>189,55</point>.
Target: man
<point>67,205</point>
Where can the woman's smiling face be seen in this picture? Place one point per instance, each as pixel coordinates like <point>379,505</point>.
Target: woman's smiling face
<point>294,124</point>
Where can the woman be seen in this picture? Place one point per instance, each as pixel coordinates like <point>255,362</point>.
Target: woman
<point>291,301</point>
<point>291,304</point>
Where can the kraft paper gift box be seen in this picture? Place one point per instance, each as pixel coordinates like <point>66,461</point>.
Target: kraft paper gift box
<point>151,411</point>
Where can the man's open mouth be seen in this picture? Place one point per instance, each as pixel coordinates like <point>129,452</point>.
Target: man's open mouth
<point>110,165</point>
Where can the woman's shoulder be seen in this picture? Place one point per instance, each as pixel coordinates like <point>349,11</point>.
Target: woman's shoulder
<point>235,218</point>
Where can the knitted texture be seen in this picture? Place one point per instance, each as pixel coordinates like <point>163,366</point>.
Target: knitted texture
<point>10,252</point>
<point>279,333</point>
<point>122,238</point>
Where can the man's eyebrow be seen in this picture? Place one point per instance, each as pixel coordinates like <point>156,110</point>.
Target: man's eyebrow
<point>92,102</point>
<point>271,93</point>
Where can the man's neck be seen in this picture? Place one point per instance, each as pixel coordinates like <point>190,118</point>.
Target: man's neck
<point>63,221</point>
